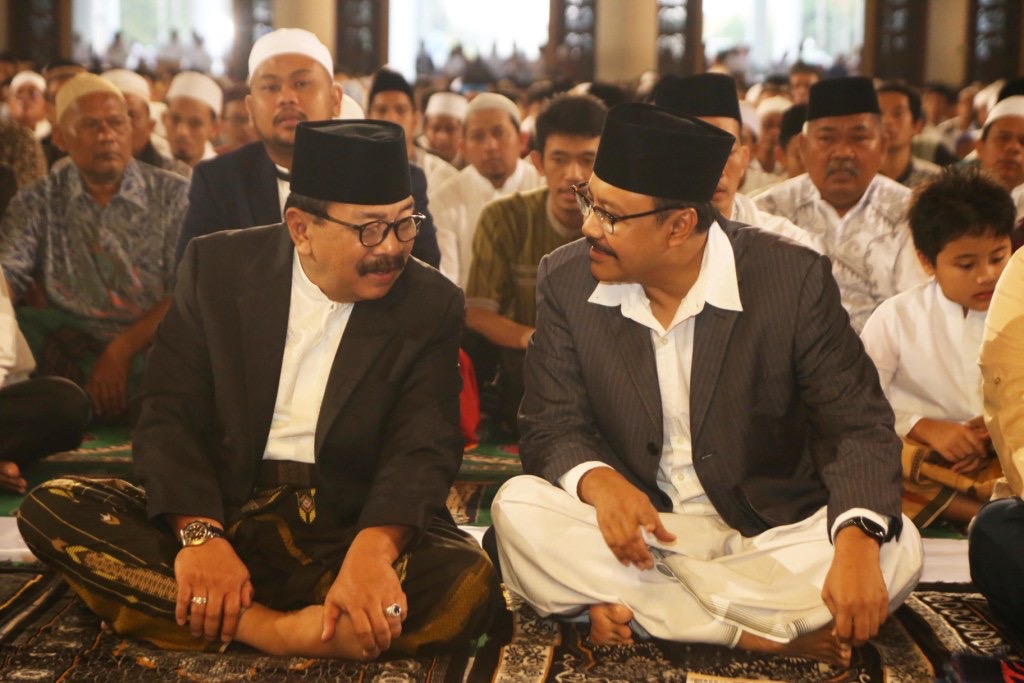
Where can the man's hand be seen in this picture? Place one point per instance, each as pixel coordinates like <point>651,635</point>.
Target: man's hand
<point>213,571</point>
<point>854,590</point>
<point>108,382</point>
<point>366,584</point>
<point>952,440</point>
<point>622,511</point>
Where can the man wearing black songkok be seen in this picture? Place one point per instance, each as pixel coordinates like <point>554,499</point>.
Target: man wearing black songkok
<point>297,437</point>
<point>701,423</point>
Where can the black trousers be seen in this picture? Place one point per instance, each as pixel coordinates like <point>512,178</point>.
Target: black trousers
<point>41,416</point>
<point>97,534</point>
<point>997,558</point>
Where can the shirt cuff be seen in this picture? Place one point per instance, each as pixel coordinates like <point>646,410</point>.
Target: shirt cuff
<point>570,481</point>
<point>881,520</point>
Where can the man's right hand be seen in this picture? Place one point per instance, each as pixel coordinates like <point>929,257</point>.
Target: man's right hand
<point>623,511</point>
<point>213,571</point>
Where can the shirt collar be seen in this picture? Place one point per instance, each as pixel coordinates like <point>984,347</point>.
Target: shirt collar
<point>309,295</point>
<point>716,285</point>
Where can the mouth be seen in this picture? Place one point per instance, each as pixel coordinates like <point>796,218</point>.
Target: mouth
<point>983,296</point>
<point>598,252</point>
<point>383,270</point>
<point>290,118</point>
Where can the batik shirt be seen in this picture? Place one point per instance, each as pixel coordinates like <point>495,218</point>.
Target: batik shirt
<point>106,266</point>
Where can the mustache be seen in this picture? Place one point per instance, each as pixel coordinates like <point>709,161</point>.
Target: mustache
<point>384,264</point>
<point>290,112</point>
<point>842,167</point>
<point>595,245</point>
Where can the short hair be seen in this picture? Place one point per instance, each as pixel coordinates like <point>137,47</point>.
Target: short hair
<point>959,202</point>
<point>579,115</point>
<point>941,89</point>
<point>706,212</point>
<point>913,98</point>
<point>804,68</point>
<point>317,207</point>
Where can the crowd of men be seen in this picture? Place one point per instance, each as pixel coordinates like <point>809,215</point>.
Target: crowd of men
<point>276,283</point>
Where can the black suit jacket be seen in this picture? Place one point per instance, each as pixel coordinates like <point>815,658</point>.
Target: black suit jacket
<point>239,190</point>
<point>786,412</point>
<point>387,442</point>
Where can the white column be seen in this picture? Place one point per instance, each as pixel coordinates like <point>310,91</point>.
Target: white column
<point>626,39</point>
<point>316,16</point>
<point>946,42</point>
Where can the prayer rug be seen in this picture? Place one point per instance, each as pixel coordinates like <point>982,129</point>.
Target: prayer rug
<point>915,645</point>
<point>47,634</point>
<point>484,469</point>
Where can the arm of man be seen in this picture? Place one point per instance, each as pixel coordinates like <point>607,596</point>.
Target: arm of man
<point>861,468</point>
<point>498,329</point>
<point>108,382</point>
<point>367,584</point>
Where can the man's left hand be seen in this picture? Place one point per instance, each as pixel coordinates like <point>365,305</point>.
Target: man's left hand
<point>854,589</point>
<point>365,586</point>
<point>108,383</point>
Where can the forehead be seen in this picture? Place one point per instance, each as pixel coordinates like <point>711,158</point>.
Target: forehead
<point>289,65</point>
<point>100,104</point>
<point>371,210</point>
<point>847,122</point>
<point>28,87</point>
<point>729,125</point>
<point>391,98</point>
<point>969,245</point>
<point>135,102</point>
<point>446,120</point>
<point>1007,124</point>
<point>488,118</point>
<point>189,106</point>
<point>563,142</point>
<point>892,98</point>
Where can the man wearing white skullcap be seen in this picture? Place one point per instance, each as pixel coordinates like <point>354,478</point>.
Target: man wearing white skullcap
<point>192,119</point>
<point>26,102</point>
<point>136,93</point>
<point>97,234</point>
<point>1001,146</point>
<point>442,126</point>
<point>290,80</point>
<point>490,142</point>
<point>764,170</point>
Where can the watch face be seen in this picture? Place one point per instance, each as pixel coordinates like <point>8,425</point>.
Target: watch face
<point>195,533</point>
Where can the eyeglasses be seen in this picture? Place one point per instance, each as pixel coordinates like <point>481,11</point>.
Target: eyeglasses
<point>373,233</point>
<point>607,220</point>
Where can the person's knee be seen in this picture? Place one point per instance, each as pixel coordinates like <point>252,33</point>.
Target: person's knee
<point>995,554</point>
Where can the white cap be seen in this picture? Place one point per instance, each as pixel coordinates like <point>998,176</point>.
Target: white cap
<point>773,105</point>
<point>492,100</point>
<point>128,82</point>
<point>1011,106</point>
<point>287,41</point>
<point>754,93</point>
<point>28,78</point>
<point>750,118</point>
<point>350,109</point>
<point>987,96</point>
<point>199,87</point>
<point>450,103</point>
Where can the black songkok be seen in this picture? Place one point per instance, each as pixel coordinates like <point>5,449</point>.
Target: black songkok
<point>792,123</point>
<point>709,94</point>
<point>652,151</point>
<point>386,80</point>
<point>841,97</point>
<point>351,162</point>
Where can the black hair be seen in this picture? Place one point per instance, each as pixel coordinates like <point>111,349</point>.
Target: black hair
<point>317,207</point>
<point>706,212</point>
<point>959,203</point>
<point>941,89</point>
<point>804,68</point>
<point>579,115</point>
<point>913,98</point>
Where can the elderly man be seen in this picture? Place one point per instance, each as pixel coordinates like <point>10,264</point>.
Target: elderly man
<point>391,99</point>
<point>711,97</point>
<point>26,103</point>
<point>442,126</point>
<point>490,143</point>
<point>902,119</point>
<point>290,77</point>
<point>672,483</point>
<point>765,169</point>
<point>1001,146</point>
<point>192,118</point>
<point>298,434</point>
<point>857,214</point>
<point>97,236</point>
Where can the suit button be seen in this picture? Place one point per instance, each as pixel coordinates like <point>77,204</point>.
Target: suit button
<point>652,448</point>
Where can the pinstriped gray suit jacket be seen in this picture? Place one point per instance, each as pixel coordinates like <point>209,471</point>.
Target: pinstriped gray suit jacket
<point>786,413</point>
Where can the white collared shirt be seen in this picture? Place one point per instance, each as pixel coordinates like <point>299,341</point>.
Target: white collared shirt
<point>744,210</point>
<point>926,352</point>
<point>284,187</point>
<point>315,327</point>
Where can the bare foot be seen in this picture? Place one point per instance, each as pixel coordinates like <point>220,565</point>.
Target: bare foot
<point>609,625</point>
<point>298,634</point>
<point>820,645</point>
<point>11,480</point>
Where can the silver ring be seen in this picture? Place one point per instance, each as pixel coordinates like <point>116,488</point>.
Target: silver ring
<point>393,610</point>
<point>197,600</point>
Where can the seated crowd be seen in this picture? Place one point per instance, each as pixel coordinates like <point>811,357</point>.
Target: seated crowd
<point>735,331</point>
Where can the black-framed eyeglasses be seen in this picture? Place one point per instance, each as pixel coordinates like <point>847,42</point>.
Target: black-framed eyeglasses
<point>373,233</point>
<point>605,219</point>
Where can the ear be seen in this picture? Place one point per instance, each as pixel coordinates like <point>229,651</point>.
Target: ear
<point>928,266</point>
<point>524,142</point>
<point>248,106</point>
<point>215,128</point>
<point>744,152</point>
<point>335,98</point>
<point>538,161</point>
<point>298,222</point>
<point>682,223</point>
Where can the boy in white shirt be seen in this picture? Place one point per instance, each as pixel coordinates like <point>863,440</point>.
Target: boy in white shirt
<point>925,344</point>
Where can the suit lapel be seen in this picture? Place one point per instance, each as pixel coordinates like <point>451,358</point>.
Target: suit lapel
<point>263,315</point>
<point>264,199</point>
<point>371,326</point>
<point>634,344</point>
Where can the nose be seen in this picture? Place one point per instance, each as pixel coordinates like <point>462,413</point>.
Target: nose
<point>989,273</point>
<point>287,94</point>
<point>592,227</point>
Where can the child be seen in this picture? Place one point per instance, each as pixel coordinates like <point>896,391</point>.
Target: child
<point>925,344</point>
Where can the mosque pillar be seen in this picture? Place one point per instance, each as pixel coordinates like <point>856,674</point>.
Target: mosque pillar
<point>316,16</point>
<point>626,39</point>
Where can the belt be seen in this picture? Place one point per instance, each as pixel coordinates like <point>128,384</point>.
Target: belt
<point>288,472</point>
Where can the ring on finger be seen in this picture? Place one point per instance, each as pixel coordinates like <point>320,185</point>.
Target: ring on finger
<point>198,600</point>
<point>393,610</point>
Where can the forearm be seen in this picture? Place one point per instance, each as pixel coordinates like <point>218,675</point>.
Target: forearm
<point>140,334</point>
<point>386,542</point>
<point>498,329</point>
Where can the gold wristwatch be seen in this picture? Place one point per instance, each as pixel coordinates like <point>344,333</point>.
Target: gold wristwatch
<point>198,532</point>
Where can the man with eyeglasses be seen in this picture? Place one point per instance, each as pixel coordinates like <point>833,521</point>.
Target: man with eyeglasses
<point>709,455</point>
<point>856,213</point>
<point>297,437</point>
<point>91,248</point>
